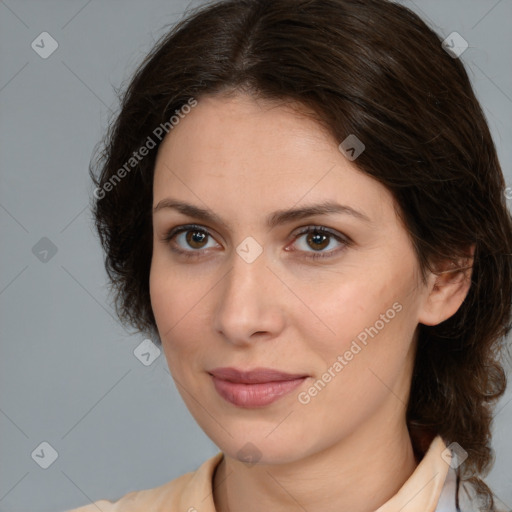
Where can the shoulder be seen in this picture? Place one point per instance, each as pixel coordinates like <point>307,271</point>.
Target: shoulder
<point>138,500</point>
<point>182,493</point>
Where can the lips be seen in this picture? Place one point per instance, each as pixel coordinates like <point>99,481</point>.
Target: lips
<point>254,388</point>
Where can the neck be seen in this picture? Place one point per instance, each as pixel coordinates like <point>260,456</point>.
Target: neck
<point>359,474</point>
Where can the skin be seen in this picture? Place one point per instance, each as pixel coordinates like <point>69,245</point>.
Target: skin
<point>243,159</point>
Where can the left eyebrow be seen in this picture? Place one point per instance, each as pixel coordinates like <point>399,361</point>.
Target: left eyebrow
<point>290,215</point>
<point>274,219</point>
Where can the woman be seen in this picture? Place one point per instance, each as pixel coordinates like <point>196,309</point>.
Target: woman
<point>300,200</point>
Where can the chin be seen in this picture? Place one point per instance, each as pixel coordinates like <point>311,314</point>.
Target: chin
<point>261,443</point>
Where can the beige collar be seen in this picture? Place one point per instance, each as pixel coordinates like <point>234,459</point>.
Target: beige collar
<point>421,491</point>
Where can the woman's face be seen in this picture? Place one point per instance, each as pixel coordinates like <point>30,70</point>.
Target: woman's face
<point>245,286</point>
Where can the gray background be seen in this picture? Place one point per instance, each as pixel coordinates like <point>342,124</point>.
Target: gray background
<point>68,374</point>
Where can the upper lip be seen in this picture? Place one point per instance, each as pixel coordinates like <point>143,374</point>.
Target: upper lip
<point>256,375</point>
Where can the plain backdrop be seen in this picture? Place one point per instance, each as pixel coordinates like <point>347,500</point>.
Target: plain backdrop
<point>68,373</point>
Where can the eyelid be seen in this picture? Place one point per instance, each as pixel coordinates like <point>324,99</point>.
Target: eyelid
<point>172,232</point>
<point>308,228</point>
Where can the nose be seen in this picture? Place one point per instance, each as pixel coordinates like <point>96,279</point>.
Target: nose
<point>249,303</point>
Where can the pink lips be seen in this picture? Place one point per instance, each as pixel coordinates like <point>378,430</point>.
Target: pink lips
<point>254,388</point>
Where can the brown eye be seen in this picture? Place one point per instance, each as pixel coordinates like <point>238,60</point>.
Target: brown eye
<point>190,240</point>
<point>196,239</point>
<point>318,241</point>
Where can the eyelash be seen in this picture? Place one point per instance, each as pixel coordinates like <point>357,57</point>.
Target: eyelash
<point>173,232</point>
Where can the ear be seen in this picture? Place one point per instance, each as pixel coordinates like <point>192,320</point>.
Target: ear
<point>447,289</point>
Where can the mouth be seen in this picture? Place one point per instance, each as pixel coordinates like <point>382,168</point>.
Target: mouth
<point>254,388</point>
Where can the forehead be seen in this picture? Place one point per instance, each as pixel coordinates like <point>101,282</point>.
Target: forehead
<point>253,153</point>
<point>241,125</point>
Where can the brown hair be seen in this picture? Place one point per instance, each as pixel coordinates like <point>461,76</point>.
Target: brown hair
<point>366,67</point>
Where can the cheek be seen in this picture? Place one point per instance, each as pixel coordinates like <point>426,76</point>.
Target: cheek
<point>170,297</point>
<point>162,290</point>
<point>367,364</point>
<point>178,301</point>
<point>365,317</point>
<point>342,307</point>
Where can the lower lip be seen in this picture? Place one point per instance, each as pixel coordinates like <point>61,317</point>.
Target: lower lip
<point>254,395</point>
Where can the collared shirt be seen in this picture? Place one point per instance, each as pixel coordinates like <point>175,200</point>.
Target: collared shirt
<point>432,487</point>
